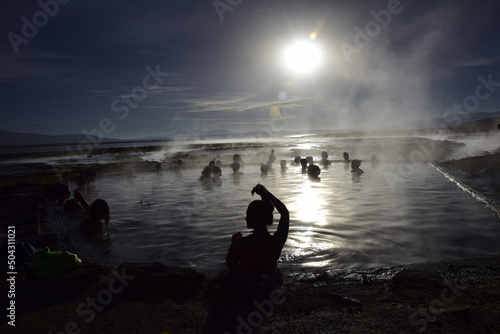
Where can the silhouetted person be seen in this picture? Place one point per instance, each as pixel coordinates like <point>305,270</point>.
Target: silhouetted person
<point>252,261</point>
<point>264,169</point>
<point>303,163</point>
<point>296,160</point>
<point>216,175</point>
<point>96,226</point>
<point>313,171</point>
<point>236,169</point>
<point>98,219</point>
<point>355,164</point>
<point>177,167</point>
<point>81,185</point>
<point>206,178</point>
<point>271,159</point>
<point>283,164</point>
<point>309,160</point>
<point>206,173</point>
<point>324,158</point>
<point>259,252</point>
<point>346,156</point>
<point>180,163</point>
<point>237,158</point>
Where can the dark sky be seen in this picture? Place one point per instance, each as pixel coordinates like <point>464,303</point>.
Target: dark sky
<point>144,68</point>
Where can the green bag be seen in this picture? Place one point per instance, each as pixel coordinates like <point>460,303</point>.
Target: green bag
<point>49,264</point>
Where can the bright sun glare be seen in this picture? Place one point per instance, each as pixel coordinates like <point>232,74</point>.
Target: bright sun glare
<point>302,57</point>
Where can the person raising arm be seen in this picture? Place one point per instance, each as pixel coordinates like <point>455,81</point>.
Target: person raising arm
<point>259,251</point>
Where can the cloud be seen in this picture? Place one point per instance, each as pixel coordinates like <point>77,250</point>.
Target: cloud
<point>477,62</point>
<point>231,103</point>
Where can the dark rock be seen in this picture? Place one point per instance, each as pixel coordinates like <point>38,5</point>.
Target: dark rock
<point>42,240</point>
<point>34,293</point>
<point>416,279</point>
<point>343,301</point>
<point>463,314</point>
<point>154,282</point>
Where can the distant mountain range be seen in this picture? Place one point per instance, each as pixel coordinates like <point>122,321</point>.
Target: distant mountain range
<point>466,123</point>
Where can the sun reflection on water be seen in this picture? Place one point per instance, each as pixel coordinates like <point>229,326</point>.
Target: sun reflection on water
<point>308,204</point>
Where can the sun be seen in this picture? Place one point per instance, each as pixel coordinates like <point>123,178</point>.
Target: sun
<point>302,57</point>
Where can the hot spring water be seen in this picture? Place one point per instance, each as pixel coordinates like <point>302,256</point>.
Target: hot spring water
<point>337,222</point>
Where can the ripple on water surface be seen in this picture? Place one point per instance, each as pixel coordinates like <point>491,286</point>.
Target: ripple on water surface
<point>379,219</point>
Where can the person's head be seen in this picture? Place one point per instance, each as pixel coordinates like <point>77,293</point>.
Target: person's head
<point>303,162</point>
<point>236,166</point>
<point>309,159</point>
<point>218,163</point>
<point>207,172</point>
<point>313,170</point>
<point>259,214</point>
<point>179,162</point>
<point>216,171</point>
<point>296,160</point>
<point>236,158</point>
<point>264,169</point>
<point>283,163</point>
<point>211,164</point>
<point>355,164</point>
<point>324,155</point>
<point>99,210</point>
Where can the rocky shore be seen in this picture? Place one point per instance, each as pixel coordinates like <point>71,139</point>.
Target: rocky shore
<point>461,296</point>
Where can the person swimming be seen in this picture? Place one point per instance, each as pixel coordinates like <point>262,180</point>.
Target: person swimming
<point>206,178</point>
<point>303,163</point>
<point>236,169</point>
<point>98,221</point>
<point>313,171</point>
<point>264,169</point>
<point>216,176</point>
<point>283,165</point>
<point>346,156</point>
<point>259,251</point>
<point>355,170</point>
<point>324,158</point>
<point>95,228</point>
<point>271,159</point>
